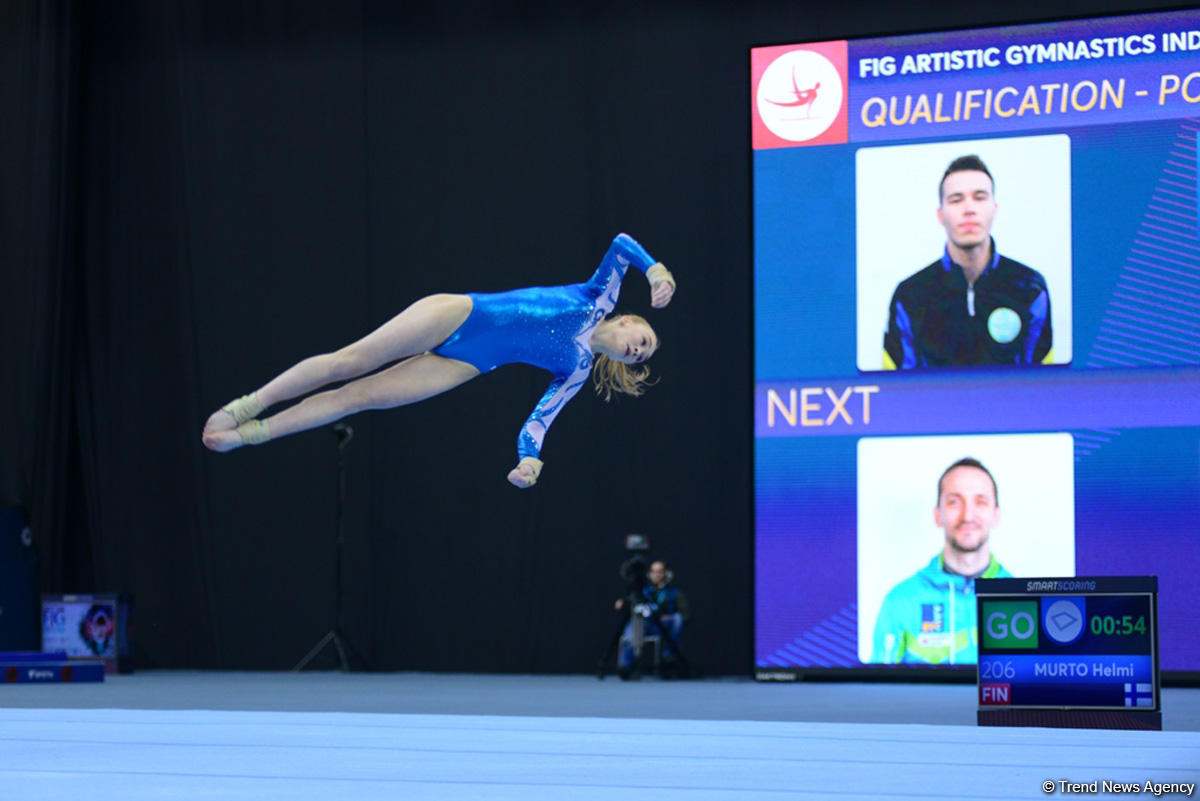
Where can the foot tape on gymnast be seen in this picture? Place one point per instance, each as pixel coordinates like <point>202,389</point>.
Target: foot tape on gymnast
<point>254,432</point>
<point>244,408</point>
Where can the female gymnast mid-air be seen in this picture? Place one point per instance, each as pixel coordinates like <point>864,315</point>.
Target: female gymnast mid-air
<point>446,340</point>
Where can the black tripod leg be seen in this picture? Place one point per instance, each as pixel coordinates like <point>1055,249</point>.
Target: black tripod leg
<point>316,649</point>
<point>347,649</point>
<point>341,652</point>
<point>611,650</point>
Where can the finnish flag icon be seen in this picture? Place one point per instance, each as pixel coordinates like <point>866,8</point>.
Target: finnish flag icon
<point>1139,694</point>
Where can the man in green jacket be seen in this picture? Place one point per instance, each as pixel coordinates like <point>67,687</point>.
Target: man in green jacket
<point>929,618</point>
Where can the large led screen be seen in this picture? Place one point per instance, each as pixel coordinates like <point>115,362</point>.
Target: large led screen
<point>977,331</point>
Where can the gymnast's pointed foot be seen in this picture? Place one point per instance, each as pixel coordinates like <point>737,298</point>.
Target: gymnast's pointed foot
<point>219,421</point>
<point>221,441</point>
<point>251,432</point>
<point>234,413</point>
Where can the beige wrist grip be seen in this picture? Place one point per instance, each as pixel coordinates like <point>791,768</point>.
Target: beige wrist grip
<point>658,272</point>
<point>534,464</point>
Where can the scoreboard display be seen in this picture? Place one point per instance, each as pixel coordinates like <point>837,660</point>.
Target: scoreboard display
<point>1068,644</point>
<point>977,351</point>
<point>89,627</point>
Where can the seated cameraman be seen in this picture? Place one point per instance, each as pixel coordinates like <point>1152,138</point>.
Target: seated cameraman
<point>659,609</point>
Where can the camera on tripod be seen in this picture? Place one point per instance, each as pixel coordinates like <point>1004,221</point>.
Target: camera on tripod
<point>640,620</point>
<point>633,570</point>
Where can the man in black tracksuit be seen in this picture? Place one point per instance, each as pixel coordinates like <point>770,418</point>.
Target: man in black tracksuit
<point>972,306</point>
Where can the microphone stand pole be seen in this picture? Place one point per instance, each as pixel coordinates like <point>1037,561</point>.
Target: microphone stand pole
<point>340,643</point>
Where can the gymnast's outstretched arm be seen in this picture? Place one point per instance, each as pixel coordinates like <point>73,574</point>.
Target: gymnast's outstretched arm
<point>625,250</point>
<point>533,433</point>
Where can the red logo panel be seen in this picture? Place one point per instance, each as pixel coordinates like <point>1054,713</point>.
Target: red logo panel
<point>799,95</point>
<point>995,694</point>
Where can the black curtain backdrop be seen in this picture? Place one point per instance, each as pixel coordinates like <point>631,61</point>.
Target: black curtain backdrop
<point>197,194</point>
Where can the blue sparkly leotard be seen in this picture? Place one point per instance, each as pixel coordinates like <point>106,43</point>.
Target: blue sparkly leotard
<point>548,327</point>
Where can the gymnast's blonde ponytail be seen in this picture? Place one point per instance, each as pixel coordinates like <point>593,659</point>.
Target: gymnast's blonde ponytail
<point>611,376</point>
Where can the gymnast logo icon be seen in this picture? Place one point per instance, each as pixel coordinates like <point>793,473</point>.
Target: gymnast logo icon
<point>98,628</point>
<point>1062,618</point>
<point>799,95</point>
